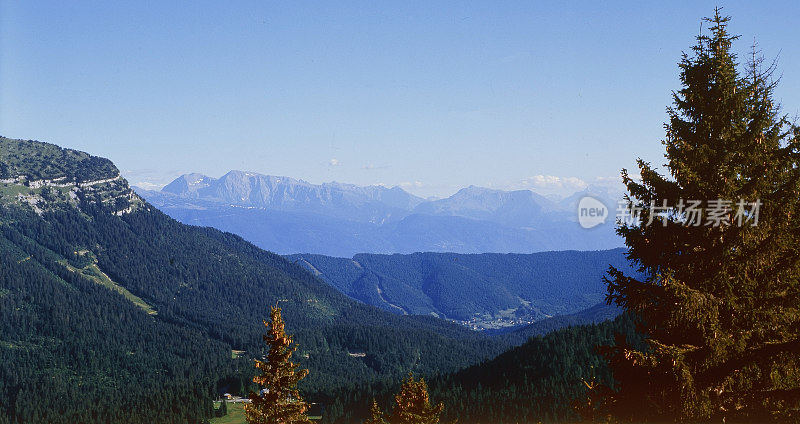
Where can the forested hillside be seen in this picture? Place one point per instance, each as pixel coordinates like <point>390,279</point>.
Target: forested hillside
<point>595,315</point>
<point>71,350</point>
<point>541,381</point>
<point>112,309</point>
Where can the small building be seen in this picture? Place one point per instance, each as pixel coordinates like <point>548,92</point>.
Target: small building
<point>315,411</point>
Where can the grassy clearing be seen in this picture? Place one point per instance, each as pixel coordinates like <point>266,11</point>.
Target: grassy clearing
<point>235,414</point>
<point>9,192</point>
<point>236,353</point>
<point>94,273</point>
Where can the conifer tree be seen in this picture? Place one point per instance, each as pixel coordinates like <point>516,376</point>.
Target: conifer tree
<point>222,410</point>
<point>376,415</point>
<point>280,401</point>
<point>413,406</point>
<point>719,304</point>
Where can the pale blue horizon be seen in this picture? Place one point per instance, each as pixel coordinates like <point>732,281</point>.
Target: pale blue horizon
<point>429,96</point>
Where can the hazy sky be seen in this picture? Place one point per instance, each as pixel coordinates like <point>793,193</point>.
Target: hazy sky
<point>431,95</point>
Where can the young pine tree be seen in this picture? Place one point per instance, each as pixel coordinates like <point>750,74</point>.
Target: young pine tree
<point>376,415</point>
<point>280,403</point>
<point>413,405</point>
<point>720,303</point>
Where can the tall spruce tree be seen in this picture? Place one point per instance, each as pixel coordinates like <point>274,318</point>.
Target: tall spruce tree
<point>720,304</point>
<point>279,402</point>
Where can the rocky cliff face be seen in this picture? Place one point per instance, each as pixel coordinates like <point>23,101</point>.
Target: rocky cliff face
<point>44,177</point>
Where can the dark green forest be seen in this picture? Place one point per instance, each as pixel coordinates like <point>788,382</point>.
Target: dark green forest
<point>540,381</point>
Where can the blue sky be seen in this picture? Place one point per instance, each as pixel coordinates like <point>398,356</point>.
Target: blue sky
<point>430,95</point>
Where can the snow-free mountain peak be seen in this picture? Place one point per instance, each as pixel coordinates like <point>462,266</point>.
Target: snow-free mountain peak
<point>253,190</point>
<point>188,184</point>
<point>519,208</point>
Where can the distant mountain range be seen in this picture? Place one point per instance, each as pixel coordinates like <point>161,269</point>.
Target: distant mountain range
<point>286,215</point>
<point>375,204</point>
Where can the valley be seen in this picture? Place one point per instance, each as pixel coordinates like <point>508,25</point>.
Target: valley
<point>486,291</point>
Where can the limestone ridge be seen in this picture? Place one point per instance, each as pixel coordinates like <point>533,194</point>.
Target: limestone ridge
<point>43,176</point>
